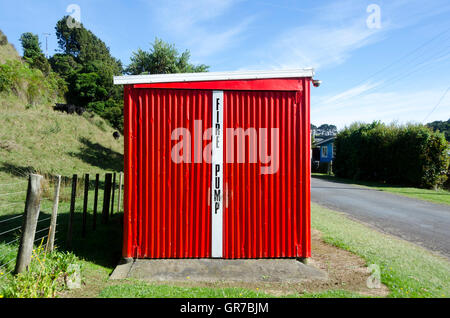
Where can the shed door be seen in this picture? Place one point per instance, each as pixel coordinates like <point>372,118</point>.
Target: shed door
<point>267,148</point>
<point>169,182</point>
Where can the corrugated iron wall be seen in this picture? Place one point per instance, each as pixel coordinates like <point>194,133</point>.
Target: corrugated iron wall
<point>265,213</point>
<point>167,212</point>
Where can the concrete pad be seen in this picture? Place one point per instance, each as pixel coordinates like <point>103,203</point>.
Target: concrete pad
<point>223,270</point>
<point>122,269</point>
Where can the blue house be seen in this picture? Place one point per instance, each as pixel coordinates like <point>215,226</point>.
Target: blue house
<point>327,151</point>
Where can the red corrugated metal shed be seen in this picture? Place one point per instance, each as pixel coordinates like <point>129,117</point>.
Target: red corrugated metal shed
<point>217,165</point>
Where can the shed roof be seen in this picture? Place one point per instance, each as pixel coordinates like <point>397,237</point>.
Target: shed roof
<point>213,76</point>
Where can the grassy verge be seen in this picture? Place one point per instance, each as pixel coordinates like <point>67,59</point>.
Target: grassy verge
<point>136,289</point>
<point>406,269</point>
<point>436,196</point>
<point>139,289</point>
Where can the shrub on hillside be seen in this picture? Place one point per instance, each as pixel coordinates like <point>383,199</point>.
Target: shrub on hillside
<point>20,79</point>
<point>406,155</point>
<point>3,39</point>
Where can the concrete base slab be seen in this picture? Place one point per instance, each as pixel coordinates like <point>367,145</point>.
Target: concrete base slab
<point>221,270</point>
<point>122,269</point>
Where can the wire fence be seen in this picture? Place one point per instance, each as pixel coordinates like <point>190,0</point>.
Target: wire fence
<point>12,200</point>
<point>99,200</point>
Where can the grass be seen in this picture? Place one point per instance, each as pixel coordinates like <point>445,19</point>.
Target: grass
<point>45,276</point>
<point>97,253</point>
<point>137,289</point>
<point>406,269</point>
<point>440,196</point>
<point>51,142</point>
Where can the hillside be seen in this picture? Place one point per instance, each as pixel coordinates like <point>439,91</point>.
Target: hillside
<point>34,137</point>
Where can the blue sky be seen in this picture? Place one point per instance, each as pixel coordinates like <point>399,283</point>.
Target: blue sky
<point>397,72</point>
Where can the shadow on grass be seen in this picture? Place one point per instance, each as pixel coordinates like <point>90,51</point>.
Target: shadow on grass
<point>99,156</point>
<point>16,170</point>
<point>101,247</point>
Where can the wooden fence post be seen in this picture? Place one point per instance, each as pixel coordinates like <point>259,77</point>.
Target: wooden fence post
<point>113,192</point>
<point>72,210</point>
<point>106,198</point>
<point>94,221</point>
<point>85,202</point>
<point>31,215</point>
<point>52,230</point>
<point>120,192</point>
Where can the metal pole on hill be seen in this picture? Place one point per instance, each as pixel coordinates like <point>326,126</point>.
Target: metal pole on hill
<point>31,215</point>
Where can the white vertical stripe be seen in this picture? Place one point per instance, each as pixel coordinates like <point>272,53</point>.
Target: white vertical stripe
<point>217,174</point>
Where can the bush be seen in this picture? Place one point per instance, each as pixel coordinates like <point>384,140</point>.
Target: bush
<point>11,76</point>
<point>410,155</point>
<point>17,78</point>
<point>3,39</point>
<point>320,167</point>
<point>47,274</point>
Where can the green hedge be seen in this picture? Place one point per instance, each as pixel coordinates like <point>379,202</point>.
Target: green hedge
<point>410,154</point>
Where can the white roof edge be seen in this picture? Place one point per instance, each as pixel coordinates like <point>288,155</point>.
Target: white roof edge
<point>212,76</point>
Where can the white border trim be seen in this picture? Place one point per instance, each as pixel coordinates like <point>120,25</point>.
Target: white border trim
<point>217,175</point>
<point>212,76</point>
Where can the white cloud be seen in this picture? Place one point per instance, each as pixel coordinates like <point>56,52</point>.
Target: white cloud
<point>194,24</point>
<point>328,39</point>
<point>352,92</point>
<point>206,43</point>
<point>321,46</point>
<point>333,32</point>
<point>180,16</point>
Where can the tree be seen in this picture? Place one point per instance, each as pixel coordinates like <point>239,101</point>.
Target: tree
<point>32,52</point>
<point>65,65</point>
<point>83,46</point>
<point>88,67</point>
<point>162,58</point>
<point>442,126</point>
<point>30,45</point>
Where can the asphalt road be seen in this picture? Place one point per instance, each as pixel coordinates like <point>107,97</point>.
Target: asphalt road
<point>417,221</point>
